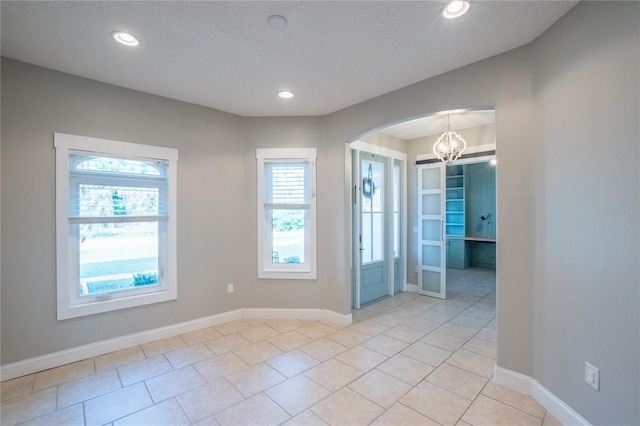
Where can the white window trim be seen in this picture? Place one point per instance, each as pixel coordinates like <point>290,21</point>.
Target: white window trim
<point>287,271</point>
<point>63,143</point>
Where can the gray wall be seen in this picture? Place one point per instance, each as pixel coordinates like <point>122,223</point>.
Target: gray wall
<point>587,109</point>
<point>567,269</point>
<point>37,102</point>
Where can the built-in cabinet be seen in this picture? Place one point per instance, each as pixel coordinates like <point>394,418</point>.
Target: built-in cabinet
<point>470,215</point>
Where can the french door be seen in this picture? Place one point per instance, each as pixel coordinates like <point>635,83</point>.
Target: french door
<point>432,269</point>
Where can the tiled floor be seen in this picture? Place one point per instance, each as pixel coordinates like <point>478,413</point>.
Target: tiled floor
<point>406,360</point>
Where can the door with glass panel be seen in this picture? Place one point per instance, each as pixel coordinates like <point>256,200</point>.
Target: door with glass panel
<point>373,240</point>
<point>431,213</point>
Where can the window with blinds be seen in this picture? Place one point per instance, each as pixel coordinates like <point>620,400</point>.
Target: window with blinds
<point>116,242</point>
<point>286,216</point>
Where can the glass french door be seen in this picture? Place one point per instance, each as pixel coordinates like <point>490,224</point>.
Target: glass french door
<point>431,230</point>
<point>374,265</point>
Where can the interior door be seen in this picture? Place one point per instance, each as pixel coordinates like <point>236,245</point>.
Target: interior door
<point>373,240</point>
<point>431,230</point>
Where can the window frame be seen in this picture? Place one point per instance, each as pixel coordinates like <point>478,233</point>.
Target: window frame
<point>266,268</point>
<point>69,304</point>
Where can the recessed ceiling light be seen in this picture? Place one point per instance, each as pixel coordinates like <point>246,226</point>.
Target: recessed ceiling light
<point>277,21</point>
<point>125,38</point>
<point>455,9</point>
<point>285,94</point>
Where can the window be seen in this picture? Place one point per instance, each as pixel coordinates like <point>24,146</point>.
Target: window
<point>286,213</point>
<point>115,225</point>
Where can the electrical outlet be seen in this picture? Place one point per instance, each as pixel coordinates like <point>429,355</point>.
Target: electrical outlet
<point>230,288</point>
<point>592,376</point>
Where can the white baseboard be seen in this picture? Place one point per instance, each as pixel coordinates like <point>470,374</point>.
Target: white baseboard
<point>525,384</point>
<point>412,287</point>
<point>56,359</point>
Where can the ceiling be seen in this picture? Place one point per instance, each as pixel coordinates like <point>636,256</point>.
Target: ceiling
<point>438,123</point>
<point>224,54</point>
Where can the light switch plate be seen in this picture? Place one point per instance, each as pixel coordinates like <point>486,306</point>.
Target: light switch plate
<point>592,376</point>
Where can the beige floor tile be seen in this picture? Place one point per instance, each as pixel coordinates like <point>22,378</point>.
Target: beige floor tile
<point>481,346</point>
<point>426,353</point>
<point>113,360</point>
<point>222,366</point>
<point>333,374</point>
<point>27,407</point>
<point>323,349</point>
<point>161,346</point>
<point>487,411</point>
<point>259,333</point>
<point>405,334</point>
<point>200,336</point>
<point>17,387</point>
<point>209,421</point>
<point>362,358</point>
<point>347,407</point>
<point>63,374</point>
<point>400,415</point>
<point>473,362</point>
<point>255,379</point>
<point>306,418</point>
<point>225,344</point>
<point>385,345</point>
<point>297,394</point>
<point>370,327</point>
<point>88,387</point>
<point>258,352</point>
<point>549,420</point>
<point>232,327</point>
<point>348,337</point>
<point>174,383</point>
<point>114,405</point>
<point>289,340</point>
<point>480,313</point>
<point>493,324</point>
<point>436,316</point>
<point>458,330</point>
<point>380,388</point>
<point>421,324</point>
<point>316,330</point>
<point>359,315</point>
<point>407,369</point>
<point>458,381</point>
<point>207,400</point>
<point>189,355</point>
<point>255,411</point>
<point>470,321</point>
<point>292,363</point>
<point>514,398</point>
<point>488,334</point>
<point>444,340</point>
<point>285,325</point>
<point>168,412</point>
<point>143,370</point>
<point>391,319</point>
<point>70,416</point>
<point>436,403</point>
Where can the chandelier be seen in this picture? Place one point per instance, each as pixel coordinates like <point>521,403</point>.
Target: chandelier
<point>449,145</point>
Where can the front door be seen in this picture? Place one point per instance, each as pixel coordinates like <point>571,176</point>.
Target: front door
<point>374,263</point>
<point>431,230</point>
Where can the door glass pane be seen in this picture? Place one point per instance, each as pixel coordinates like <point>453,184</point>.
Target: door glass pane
<point>372,211</point>
<point>396,211</point>
<point>431,178</point>
<point>431,281</point>
<point>431,256</point>
<point>431,230</point>
<point>431,204</point>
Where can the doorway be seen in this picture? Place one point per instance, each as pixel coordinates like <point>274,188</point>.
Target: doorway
<point>378,212</point>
